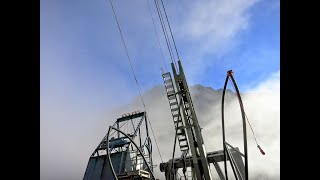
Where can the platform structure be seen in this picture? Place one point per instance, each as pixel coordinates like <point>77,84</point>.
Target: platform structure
<point>125,152</point>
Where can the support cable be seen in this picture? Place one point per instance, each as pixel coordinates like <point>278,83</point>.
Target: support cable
<point>138,86</point>
<point>170,30</point>
<point>154,25</point>
<point>165,32</point>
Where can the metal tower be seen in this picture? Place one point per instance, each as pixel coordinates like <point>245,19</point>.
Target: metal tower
<point>188,133</point>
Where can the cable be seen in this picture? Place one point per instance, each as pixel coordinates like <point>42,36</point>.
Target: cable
<point>134,73</point>
<point>254,136</point>
<point>170,30</point>
<point>157,35</point>
<point>251,128</point>
<point>165,32</point>
<point>164,29</point>
<point>126,50</point>
<point>155,139</point>
<point>246,117</point>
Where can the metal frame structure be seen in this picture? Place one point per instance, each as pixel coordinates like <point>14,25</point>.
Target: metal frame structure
<point>187,122</point>
<point>187,128</point>
<point>188,133</point>
<point>117,155</point>
<point>121,153</point>
<point>138,148</point>
<point>239,171</point>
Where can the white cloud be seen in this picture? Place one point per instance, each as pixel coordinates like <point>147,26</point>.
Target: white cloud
<point>209,27</point>
<point>217,19</point>
<point>271,85</point>
<point>262,105</point>
<point>70,130</point>
<point>63,149</point>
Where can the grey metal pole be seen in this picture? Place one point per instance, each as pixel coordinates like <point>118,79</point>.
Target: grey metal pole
<point>244,126</point>
<point>223,130</point>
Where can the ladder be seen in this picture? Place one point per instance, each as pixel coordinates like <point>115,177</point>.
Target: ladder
<point>175,111</point>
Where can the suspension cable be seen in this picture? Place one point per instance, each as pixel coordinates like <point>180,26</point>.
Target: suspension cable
<point>170,30</point>
<point>138,86</point>
<point>165,32</point>
<point>154,137</point>
<point>154,25</point>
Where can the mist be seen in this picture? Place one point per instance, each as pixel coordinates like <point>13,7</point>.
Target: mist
<point>66,146</point>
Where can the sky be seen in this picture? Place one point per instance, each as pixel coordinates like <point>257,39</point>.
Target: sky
<point>85,74</point>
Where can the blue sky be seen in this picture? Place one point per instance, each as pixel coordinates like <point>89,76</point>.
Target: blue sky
<point>81,46</point>
<point>84,70</point>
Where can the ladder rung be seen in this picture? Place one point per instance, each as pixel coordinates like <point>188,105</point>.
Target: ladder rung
<point>181,133</point>
<point>175,115</point>
<point>180,127</point>
<point>169,86</point>
<point>182,136</point>
<point>168,81</point>
<point>174,103</point>
<point>170,92</point>
<point>174,109</point>
<point>182,140</point>
<point>171,96</point>
<point>175,119</point>
<point>166,74</point>
<point>174,112</point>
<point>183,146</point>
<point>173,100</point>
<point>183,143</point>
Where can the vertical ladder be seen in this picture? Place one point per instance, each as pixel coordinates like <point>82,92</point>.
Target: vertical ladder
<point>193,132</point>
<point>175,111</point>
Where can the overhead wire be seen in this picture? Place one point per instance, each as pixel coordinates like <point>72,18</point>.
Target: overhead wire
<point>165,32</point>
<point>155,138</point>
<point>170,30</point>
<point>138,86</point>
<point>154,25</point>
